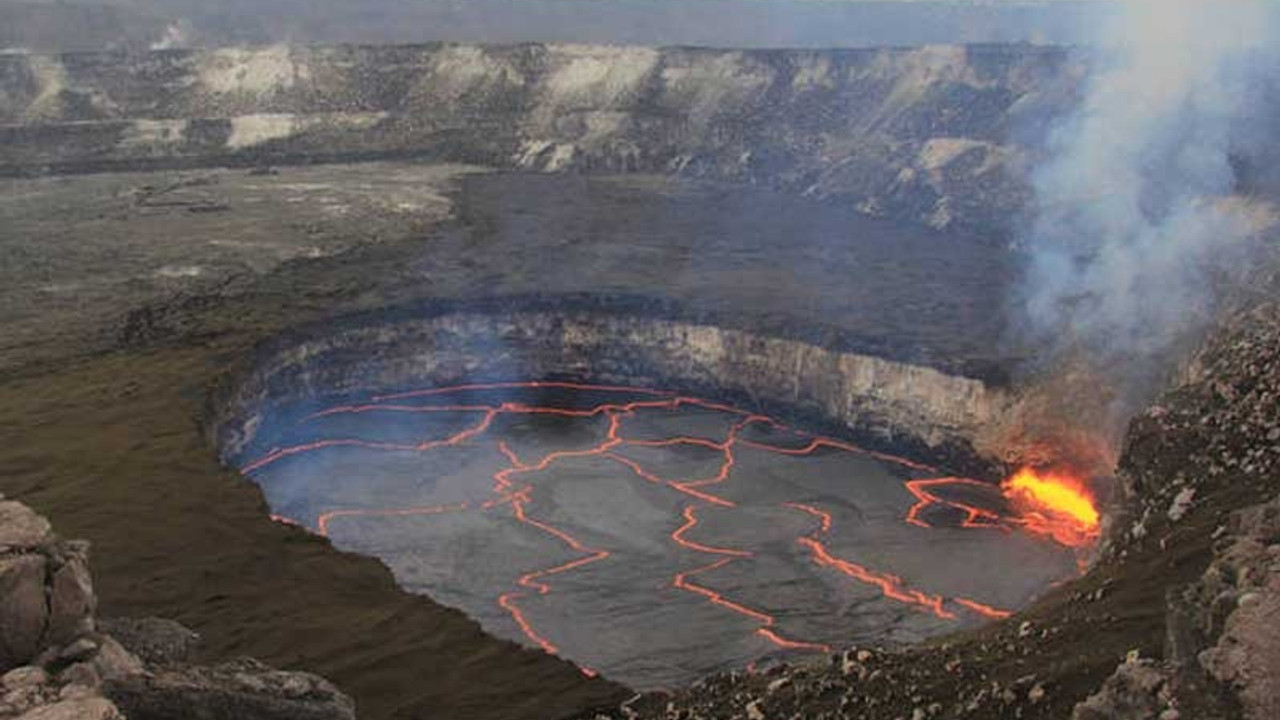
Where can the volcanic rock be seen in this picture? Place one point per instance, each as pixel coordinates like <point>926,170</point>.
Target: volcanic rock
<point>156,641</point>
<point>1036,694</point>
<point>80,675</point>
<point>46,587</point>
<point>82,649</point>
<point>47,608</point>
<point>20,527</point>
<point>83,709</point>
<point>71,601</point>
<point>1181,504</point>
<point>23,612</point>
<point>1132,692</point>
<point>1246,656</point>
<point>23,677</point>
<point>114,662</point>
<point>232,691</point>
<point>670,110</point>
<point>1223,634</point>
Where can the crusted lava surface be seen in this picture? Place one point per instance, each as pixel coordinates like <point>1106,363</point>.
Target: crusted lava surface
<point>649,536</point>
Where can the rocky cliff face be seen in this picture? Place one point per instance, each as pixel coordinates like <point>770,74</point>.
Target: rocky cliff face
<point>926,134</point>
<point>1200,472</point>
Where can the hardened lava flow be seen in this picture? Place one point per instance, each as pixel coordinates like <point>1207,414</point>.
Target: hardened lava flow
<point>744,534</point>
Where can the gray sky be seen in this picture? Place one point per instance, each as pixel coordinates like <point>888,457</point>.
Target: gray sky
<point>92,24</point>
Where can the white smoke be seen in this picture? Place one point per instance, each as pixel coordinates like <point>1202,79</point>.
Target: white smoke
<point>176,35</point>
<point>1129,225</point>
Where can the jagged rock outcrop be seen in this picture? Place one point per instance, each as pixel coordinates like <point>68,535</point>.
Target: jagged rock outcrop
<point>1192,460</point>
<point>1223,646</point>
<point>1138,689</point>
<point>48,595</point>
<point>59,664</point>
<point>156,641</point>
<point>1236,606</point>
<point>53,658</point>
<point>238,689</point>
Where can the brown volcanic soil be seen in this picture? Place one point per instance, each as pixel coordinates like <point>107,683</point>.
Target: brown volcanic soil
<point>112,343</point>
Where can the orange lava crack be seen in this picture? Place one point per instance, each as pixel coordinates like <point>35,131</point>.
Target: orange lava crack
<point>976,517</point>
<point>891,586</point>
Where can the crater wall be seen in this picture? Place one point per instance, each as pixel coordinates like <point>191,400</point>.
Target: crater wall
<point>924,133</point>
<point>885,402</point>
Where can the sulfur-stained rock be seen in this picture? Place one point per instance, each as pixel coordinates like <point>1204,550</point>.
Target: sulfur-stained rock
<point>23,611</point>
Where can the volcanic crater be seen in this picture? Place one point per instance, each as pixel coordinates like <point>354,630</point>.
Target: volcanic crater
<point>662,361</point>
<point>639,489</point>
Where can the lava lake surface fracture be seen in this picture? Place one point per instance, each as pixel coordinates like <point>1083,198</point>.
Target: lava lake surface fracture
<point>652,537</point>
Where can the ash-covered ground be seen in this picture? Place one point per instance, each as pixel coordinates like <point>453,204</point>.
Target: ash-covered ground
<point>650,537</point>
<point>116,256</point>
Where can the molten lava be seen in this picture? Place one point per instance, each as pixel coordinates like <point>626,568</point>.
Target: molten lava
<point>1056,504</point>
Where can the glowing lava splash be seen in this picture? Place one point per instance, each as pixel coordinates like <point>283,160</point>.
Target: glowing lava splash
<point>1056,504</point>
<point>1047,506</point>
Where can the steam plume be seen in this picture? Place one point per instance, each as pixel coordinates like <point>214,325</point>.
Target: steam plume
<point>1130,224</point>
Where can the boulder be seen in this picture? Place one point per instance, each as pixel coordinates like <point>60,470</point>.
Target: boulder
<point>113,661</point>
<point>21,528</point>
<point>82,709</point>
<point>23,610</point>
<point>1133,692</point>
<point>80,675</point>
<point>71,601</point>
<point>27,676</point>
<point>82,649</point>
<point>231,691</point>
<point>155,641</point>
<point>1260,522</point>
<point>1247,655</point>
